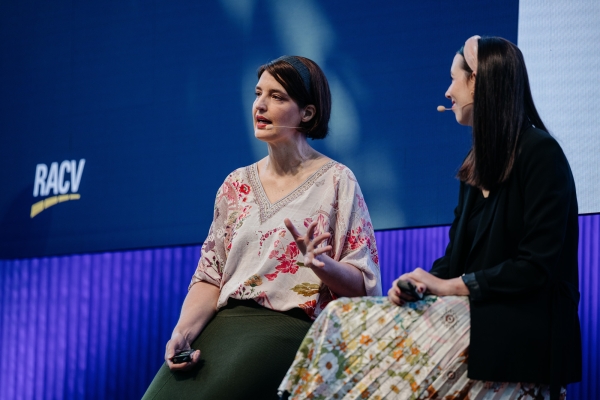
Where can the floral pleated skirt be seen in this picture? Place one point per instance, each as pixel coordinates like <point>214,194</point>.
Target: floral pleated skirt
<point>369,348</point>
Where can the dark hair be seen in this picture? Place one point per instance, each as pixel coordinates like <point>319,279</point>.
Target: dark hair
<point>502,107</point>
<point>318,95</point>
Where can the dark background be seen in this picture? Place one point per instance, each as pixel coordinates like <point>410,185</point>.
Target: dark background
<point>156,97</point>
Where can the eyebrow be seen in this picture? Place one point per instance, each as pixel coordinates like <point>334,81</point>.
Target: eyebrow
<point>273,90</point>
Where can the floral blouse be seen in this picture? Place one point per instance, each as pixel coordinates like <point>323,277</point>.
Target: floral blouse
<point>250,254</point>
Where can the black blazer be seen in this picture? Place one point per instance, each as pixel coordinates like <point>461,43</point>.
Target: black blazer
<point>522,270</point>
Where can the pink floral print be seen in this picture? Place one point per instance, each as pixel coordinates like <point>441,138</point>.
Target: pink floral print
<point>249,254</point>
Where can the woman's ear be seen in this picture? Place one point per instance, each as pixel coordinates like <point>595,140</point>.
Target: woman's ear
<point>309,113</point>
<point>471,82</point>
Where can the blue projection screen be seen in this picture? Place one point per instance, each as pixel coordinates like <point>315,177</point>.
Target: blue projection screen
<point>120,120</point>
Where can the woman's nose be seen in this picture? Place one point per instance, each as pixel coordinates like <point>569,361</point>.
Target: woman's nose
<point>259,103</point>
<point>447,94</point>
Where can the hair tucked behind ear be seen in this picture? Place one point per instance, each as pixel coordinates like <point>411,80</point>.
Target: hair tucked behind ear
<point>318,94</point>
<point>502,107</point>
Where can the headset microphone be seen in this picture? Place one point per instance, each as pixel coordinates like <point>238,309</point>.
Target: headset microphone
<point>442,108</point>
<point>271,126</point>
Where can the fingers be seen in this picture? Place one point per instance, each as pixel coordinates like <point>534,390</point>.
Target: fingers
<point>288,224</point>
<point>421,287</point>
<point>418,277</point>
<point>405,293</point>
<point>196,357</point>
<point>318,240</point>
<point>176,345</point>
<point>169,351</point>
<point>311,230</point>
<point>309,245</point>
<point>394,295</point>
<point>311,257</point>
<point>185,365</point>
<point>314,262</point>
<point>321,250</point>
<point>424,281</point>
<point>308,238</point>
<point>408,296</point>
<point>315,242</point>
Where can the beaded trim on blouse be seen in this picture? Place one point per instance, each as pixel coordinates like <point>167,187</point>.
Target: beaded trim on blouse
<point>267,210</point>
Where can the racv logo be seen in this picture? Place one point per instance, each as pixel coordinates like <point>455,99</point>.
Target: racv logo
<point>60,181</point>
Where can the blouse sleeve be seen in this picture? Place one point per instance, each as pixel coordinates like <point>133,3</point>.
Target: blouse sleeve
<point>353,237</point>
<point>213,254</point>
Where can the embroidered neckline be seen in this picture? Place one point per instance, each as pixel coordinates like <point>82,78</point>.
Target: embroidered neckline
<point>268,209</point>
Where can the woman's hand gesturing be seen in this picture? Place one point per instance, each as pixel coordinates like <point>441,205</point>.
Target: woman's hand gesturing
<point>309,245</point>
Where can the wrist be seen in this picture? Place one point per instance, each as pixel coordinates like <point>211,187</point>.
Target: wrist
<point>454,287</point>
<point>460,289</point>
<point>179,333</point>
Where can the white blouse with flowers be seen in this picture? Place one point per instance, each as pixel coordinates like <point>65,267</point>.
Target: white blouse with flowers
<point>249,253</point>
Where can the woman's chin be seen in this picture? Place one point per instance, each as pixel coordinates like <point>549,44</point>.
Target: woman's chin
<point>463,119</point>
<point>262,134</point>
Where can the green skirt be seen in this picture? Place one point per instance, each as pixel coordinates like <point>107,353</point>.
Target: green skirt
<point>245,352</point>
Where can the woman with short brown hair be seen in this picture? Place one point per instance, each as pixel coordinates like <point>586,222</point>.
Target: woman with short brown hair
<point>290,233</point>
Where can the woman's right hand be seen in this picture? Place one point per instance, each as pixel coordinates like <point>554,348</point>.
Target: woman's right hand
<point>177,344</point>
<point>309,245</point>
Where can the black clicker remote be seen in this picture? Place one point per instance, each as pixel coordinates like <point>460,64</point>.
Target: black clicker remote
<point>184,356</point>
<point>409,289</point>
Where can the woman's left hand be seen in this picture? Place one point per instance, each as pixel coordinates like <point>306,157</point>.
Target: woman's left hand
<point>430,283</point>
<point>426,282</point>
<point>309,245</point>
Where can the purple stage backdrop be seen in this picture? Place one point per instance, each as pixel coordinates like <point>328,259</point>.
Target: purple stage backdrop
<point>94,326</point>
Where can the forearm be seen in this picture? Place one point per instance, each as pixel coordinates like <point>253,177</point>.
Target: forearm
<point>199,306</point>
<point>342,279</point>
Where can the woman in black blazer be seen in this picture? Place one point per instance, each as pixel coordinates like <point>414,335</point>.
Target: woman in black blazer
<point>512,251</point>
<point>513,242</point>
